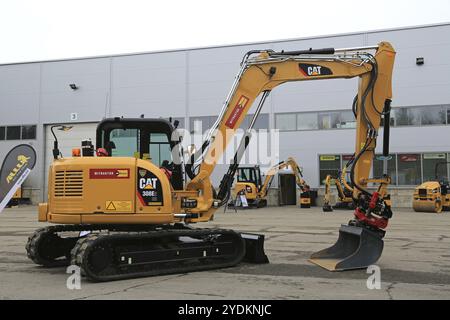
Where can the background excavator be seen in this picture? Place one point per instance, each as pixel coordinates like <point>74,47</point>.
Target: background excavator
<point>345,200</point>
<point>250,184</point>
<point>433,196</point>
<point>131,219</point>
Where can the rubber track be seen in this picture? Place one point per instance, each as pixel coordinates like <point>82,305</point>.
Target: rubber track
<point>37,238</point>
<point>84,247</point>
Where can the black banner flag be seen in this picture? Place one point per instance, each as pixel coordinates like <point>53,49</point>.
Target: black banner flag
<point>15,169</point>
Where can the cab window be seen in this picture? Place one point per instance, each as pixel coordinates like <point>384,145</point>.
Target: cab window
<point>126,142</point>
<point>159,149</point>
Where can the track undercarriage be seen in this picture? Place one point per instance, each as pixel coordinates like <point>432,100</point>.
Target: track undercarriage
<point>114,252</point>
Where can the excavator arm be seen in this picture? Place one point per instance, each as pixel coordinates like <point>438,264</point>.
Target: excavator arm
<point>290,162</point>
<point>268,69</point>
<point>360,242</point>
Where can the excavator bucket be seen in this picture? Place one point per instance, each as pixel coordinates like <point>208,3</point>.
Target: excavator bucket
<point>356,248</point>
<point>254,248</point>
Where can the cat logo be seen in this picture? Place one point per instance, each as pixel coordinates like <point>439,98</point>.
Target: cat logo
<point>311,70</point>
<point>314,71</point>
<point>148,184</point>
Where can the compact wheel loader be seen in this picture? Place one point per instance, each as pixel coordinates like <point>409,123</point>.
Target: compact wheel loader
<point>119,213</point>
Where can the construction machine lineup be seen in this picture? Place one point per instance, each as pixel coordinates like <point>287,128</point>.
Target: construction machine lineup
<point>250,185</point>
<point>125,217</point>
<point>345,200</point>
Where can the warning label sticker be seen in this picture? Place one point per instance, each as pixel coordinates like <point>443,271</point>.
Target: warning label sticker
<point>118,206</point>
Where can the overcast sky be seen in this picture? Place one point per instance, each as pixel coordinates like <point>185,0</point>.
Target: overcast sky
<point>51,29</point>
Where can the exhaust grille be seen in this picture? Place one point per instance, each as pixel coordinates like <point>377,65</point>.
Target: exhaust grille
<point>68,184</point>
<point>422,192</point>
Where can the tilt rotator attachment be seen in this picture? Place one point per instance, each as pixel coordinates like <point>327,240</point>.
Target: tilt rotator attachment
<point>360,243</point>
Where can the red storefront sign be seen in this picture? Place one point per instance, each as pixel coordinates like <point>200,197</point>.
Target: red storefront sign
<point>409,157</point>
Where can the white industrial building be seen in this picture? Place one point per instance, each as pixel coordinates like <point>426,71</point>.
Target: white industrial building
<point>314,118</point>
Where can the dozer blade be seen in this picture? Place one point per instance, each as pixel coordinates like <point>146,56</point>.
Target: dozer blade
<point>327,208</point>
<point>356,248</point>
<point>254,248</point>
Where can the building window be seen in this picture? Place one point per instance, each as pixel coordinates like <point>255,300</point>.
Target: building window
<point>2,133</point>
<point>391,167</point>
<point>13,133</point>
<point>347,120</point>
<point>406,116</point>
<point>307,121</point>
<point>262,122</point>
<point>286,121</point>
<point>344,119</point>
<point>329,164</point>
<point>28,132</point>
<point>448,115</point>
<point>328,120</point>
<point>430,161</point>
<point>433,116</point>
<point>409,169</point>
<point>201,124</point>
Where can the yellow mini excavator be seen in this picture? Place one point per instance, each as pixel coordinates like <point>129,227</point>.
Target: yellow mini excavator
<point>117,216</point>
<point>249,183</point>
<point>345,200</point>
<point>433,196</point>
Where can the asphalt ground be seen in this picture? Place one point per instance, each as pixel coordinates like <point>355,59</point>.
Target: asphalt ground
<point>415,263</point>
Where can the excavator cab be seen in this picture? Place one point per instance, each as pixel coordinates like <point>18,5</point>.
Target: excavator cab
<point>249,183</point>
<point>147,139</point>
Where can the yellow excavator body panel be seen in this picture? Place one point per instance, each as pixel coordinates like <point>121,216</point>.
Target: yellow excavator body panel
<point>127,190</point>
<point>249,189</point>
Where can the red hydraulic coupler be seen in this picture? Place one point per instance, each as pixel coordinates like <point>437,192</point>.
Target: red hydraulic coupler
<point>378,222</point>
<point>374,200</point>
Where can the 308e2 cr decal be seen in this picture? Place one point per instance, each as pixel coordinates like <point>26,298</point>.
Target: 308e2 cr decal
<point>149,190</point>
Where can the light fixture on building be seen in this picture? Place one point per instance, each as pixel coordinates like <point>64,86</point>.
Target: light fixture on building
<point>420,61</point>
<point>56,151</point>
<point>73,86</point>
